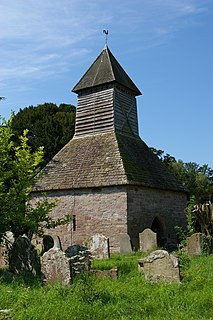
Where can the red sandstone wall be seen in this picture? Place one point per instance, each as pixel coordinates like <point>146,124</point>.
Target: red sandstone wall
<point>145,204</point>
<point>101,210</point>
<point>104,211</point>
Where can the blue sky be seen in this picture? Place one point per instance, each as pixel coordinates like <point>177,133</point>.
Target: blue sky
<point>165,46</point>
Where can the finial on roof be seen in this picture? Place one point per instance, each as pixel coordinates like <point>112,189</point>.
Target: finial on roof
<point>106,32</point>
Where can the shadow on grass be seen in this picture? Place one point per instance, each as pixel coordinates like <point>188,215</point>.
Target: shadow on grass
<point>28,279</point>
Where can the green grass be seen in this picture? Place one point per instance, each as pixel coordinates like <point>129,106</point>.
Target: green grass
<point>129,297</point>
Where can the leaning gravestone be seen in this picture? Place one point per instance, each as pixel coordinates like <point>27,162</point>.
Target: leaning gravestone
<point>125,244</point>
<point>160,266</point>
<point>23,258</point>
<point>55,267</point>
<point>98,245</point>
<point>148,240</point>
<point>197,244</point>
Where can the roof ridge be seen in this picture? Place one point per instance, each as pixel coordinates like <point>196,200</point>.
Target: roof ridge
<point>97,71</point>
<point>108,54</point>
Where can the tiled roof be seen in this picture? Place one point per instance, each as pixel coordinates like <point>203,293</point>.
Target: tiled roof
<point>105,69</point>
<point>144,168</point>
<point>104,160</point>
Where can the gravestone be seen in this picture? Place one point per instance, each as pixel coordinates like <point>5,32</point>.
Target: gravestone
<point>160,266</point>
<point>55,267</point>
<point>148,240</point>
<point>47,242</point>
<point>79,257</point>
<point>5,246</point>
<point>98,245</point>
<point>197,244</point>
<point>3,259</point>
<point>125,244</point>
<point>23,258</point>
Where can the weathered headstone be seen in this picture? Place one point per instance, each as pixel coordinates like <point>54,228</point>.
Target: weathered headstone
<point>197,244</point>
<point>79,257</point>
<point>5,246</point>
<point>125,244</point>
<point>23,258</point>
<point>160,266</point>
<point>3,260</point>
<point>148,240</point>
<point>55,267</point>
<point>98,245</point>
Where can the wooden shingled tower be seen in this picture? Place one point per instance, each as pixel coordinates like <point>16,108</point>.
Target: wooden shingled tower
<point>106,176</point>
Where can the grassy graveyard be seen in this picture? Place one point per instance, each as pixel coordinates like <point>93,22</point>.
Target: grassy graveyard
<point>128,297</point>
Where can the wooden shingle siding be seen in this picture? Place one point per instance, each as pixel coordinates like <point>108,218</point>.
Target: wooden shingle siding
<point>125,112</point>
<point>106,149</point>
<point>106,176</point>
<point>95,113</point>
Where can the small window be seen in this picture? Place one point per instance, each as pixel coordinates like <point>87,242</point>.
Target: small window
<point>74,223</point>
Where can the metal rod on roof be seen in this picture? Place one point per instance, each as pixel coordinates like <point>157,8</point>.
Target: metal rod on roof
<point>106,32</point>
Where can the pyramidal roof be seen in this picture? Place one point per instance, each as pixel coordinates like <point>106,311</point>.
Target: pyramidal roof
<point>105,159</point>
<point>105,69</point>
<point>102,160</point>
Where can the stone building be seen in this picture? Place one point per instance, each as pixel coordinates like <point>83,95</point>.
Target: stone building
<point>106,176</point>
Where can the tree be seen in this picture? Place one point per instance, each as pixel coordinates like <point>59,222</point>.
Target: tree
<point>18,169</point>
<point>199,217</point>
<point>48,125</point>
<point>197,179</point>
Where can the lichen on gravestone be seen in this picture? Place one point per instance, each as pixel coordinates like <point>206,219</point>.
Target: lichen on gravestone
<point>160,266</point>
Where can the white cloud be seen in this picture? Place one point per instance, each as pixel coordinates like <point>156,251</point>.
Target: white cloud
<point>37,37</point>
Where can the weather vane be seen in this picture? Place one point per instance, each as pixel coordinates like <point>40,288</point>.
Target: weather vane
<point>106,32</point>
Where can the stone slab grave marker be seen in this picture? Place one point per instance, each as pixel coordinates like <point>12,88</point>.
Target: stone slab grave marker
<point>125,244</point>
<point>148,240</point>
<point>160,266</point>
<point>5,246</point>
<point>98,245</point>
<point>55,267</point>
<point>46,242</point>
<point>197,244</point>
<point>23,258</point>
<point>80,258</point>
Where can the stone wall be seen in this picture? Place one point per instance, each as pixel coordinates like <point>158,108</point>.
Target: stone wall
<point>104,211</point>
<point>98,210</point>
<point>146,204</point>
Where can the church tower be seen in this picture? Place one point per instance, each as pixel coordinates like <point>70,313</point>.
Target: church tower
<point>106,99</point>
<point>106,176</point>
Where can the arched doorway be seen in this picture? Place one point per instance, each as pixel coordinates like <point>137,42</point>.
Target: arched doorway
<point>157,227</point>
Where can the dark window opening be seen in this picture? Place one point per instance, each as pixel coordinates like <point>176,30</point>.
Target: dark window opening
<point>74,223</point>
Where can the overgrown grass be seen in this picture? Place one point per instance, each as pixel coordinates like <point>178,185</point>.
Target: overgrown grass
<point>129,297</point>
